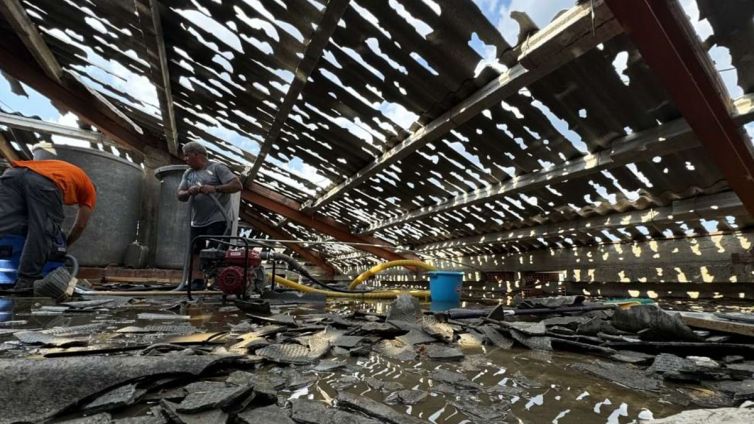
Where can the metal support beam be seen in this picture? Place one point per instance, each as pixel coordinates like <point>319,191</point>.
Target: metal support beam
<point>330,18</point>
<point>669,45</point>
<point>566,38</point>
<point>713,206</point>
<point>671,137</point>
<point>151,28</point>
<point>37,125</point>
<point>288,208</point>
<point>269,228</point>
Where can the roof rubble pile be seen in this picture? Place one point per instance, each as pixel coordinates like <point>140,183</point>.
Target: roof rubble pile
<point>168,370</point>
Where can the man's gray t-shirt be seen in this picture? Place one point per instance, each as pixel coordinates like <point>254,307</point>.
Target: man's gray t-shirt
<point>204,210</point>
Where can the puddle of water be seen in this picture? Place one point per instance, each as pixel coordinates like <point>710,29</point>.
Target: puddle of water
<point>539,386</point>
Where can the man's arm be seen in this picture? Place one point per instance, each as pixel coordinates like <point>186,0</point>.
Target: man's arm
<point>183,195</point>
<point>231,186</point>
<point>82,218</point>
<point>184,191</point>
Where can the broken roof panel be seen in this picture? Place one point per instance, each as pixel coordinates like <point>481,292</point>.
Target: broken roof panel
<point>583,138</point>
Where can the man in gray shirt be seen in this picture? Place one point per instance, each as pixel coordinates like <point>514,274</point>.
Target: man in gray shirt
<point>207,185</point>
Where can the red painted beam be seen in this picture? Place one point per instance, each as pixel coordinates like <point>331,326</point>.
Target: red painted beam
<point>269,228</point>
<point>669,45</point>
<point>266,199</point>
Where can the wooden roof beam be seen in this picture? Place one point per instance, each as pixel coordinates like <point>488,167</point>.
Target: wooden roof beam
<point>275,231</point>
<point>16,61</point>
<point>670,137</point>
<point>668,44</point>
<point>327,25</point>
<point>289,209</point>
<point>6,150</point>
<point>151,28</point>
<point>713,206</point>
<point>566,38</point>
<point>25,30</point>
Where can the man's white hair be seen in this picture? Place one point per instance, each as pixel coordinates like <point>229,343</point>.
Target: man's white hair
<point>194,147</point>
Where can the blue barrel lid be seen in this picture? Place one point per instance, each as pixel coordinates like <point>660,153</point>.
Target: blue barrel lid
<point>445,272</point>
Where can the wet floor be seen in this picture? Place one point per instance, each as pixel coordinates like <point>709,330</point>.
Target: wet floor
<point>519,384</point>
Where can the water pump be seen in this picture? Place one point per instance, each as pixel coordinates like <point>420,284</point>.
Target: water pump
<point>228,267</point>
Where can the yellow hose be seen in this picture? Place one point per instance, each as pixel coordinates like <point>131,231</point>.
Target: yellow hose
<point>382,294</point>
<point>383,266</point>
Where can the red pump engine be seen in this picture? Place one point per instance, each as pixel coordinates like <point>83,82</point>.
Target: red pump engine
<point>227,266</point>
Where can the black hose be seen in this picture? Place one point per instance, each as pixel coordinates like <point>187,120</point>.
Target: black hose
<point>305,273</point>
<point>74,265</point>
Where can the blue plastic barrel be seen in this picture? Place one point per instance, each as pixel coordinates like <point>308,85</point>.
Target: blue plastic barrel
<point>445,287</point>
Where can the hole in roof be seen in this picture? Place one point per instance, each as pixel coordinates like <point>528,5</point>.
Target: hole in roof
<point>723,63</point>
<point>562,126</point>
<point>434,6</point>
<point>582,113</point>
<point>420,60</point>
<point>635,170</point>
<point>331,59</point>
<point>96,24</point>
<point>258,24</point>
<point>420,26</point>
<point>750,131</point>
<point>620,63</point>
<point>357,57</point>
<point>398,114</point>
<point>488,53</point>
<point>218,30</point>
<point>690,166</point>
<point>514,110</point>
<point>369,17</point>
<point>374,45</point>
<point>702,27</point>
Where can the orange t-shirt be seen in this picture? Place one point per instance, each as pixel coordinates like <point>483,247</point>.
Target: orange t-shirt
<point>76,186</point>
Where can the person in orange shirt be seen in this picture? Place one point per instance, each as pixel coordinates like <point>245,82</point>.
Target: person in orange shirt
<point>32,195</point>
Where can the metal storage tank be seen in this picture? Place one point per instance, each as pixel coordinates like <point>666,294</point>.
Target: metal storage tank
<point>113,225</point>
<point>172,219</point>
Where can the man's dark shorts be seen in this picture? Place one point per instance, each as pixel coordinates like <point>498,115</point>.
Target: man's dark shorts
<point>213,229</point>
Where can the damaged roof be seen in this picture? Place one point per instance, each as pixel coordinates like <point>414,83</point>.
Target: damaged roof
<point>417,121</point>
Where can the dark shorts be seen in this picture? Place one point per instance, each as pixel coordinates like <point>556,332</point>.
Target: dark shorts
<point>213,229</point>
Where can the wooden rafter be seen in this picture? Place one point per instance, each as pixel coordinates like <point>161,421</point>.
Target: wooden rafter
<point>670,137</point>
<point>151,28</point>
<point>17,62</point>
<point>6,150</point>
<point>290,209</point>
<point>330,18</point>
<point>713,206</point>
<point>40,53</point>
<point>566,38</point>
<point>16,16</point>
<point>671,48</point>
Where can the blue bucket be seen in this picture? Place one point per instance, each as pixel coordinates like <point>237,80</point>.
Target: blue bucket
<point>445,287</point>
<point>11,247</point>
